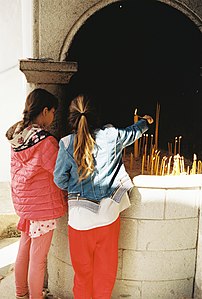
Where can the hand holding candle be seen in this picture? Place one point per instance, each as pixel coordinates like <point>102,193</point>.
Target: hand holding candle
<point>147,117</point>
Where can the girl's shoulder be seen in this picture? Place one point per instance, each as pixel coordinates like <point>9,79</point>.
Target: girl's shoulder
<point>50,143</point>
<point>50,139</point>
<point>66,140</point>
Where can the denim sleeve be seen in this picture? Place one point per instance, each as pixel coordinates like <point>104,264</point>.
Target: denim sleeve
<point>61,171</point>
<point>129,134</point>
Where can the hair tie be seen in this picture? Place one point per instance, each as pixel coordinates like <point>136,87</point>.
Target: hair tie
<point>82,113</point>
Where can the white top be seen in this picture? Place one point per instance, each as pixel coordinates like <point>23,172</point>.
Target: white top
<point>83,219</point>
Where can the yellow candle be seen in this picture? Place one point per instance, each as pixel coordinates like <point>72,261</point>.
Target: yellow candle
<point>146,143</point>
<point>163,165</point>
<point>152,165</point>
<point>143,143</point>
<point>160,171</point>
<point>169,162</point>
<point>175,147</point>
<point>136,142</point>
<point>177,164</point>
<point>148,158</point>
<point>199,167</point>
<point>143,164</point>
<point>193,170</point>
<point>157,165</point>
<point>182,164</point>
<point>179,143</point>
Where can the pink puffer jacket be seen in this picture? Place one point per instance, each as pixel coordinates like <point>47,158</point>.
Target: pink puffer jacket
<point>35,195</point>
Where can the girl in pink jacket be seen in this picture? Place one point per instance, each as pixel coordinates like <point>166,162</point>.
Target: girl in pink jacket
<point>36,199</point>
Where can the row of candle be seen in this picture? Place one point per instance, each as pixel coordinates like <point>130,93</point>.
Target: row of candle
<point>173,165</point>
<point>154,164</point>
<point>146,145</point>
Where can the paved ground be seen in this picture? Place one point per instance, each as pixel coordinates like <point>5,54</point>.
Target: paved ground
<point>8,251</point>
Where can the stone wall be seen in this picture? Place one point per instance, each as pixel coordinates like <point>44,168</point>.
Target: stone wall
<point>158,247</point>
<point>55,26</point>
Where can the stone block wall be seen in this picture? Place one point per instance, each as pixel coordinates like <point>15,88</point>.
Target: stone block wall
<point>158,246</point>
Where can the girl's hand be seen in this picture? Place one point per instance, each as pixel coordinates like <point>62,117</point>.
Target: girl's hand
<point>148,118</point>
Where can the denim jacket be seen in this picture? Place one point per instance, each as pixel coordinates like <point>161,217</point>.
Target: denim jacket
<point>110,178</point>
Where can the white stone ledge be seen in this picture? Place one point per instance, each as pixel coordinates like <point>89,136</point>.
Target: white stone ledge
<point>168,182</point>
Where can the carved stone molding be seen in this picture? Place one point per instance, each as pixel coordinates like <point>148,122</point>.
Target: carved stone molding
<point>44,71</point>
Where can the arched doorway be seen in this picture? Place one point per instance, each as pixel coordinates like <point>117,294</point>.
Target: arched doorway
<point>134,54</point>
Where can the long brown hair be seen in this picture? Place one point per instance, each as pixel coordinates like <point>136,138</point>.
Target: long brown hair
<point>35,102</point>
<point>82,121</point>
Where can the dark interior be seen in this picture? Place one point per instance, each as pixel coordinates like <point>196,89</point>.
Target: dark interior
<point>135,54</point>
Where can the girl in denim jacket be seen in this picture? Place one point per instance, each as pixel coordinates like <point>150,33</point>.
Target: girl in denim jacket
<point>89,166</point>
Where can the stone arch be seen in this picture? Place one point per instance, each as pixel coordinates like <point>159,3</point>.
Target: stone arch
<point>190,13</point>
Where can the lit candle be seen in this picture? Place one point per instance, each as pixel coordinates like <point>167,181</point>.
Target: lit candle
<point>143,143</point>
<point>193,170</point>
<point>146,143</point>
<point>179,143</point>
<point>136,141</point>
<point>175,147</point>
<point>182,164</point>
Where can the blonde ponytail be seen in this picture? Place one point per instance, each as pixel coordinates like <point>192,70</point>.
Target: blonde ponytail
<point>84,142</point>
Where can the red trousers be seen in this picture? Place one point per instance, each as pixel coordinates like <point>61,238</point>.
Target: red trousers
<point>94,256</point>
<point>30,265</point>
